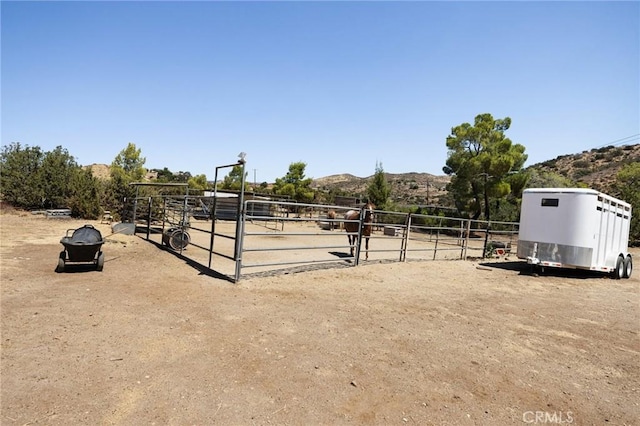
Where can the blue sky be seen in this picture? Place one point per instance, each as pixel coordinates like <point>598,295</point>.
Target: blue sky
<point>337,85</point>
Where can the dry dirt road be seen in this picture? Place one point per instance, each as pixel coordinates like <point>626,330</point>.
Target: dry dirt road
<point>151,340</point>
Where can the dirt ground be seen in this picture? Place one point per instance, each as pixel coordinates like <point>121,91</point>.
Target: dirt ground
<point>152,340</point>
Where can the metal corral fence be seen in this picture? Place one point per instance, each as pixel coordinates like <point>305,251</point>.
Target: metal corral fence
<point>272,236</point>
<point>184,225</point>
<point>312,234</point>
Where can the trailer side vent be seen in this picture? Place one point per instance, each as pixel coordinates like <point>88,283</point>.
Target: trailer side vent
<point>550,202</point>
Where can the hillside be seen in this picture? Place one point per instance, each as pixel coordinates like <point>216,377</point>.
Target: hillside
<point>101,171</point>
<point>596,169</point>
<point>406,188</point>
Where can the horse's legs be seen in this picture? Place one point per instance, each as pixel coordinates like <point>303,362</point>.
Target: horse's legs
<point>366,248</point>
<point>350,237</point>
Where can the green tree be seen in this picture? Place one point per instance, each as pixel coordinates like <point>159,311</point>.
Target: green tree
<point>19,176</point>
<point>480,158</point>
<point>56,177</point>
<point>508,209</point>
<point>86,194</point>
<point>129,162</point>
<point>182,177</point>
<point>32,178</point>
<point>127,167</point>
<point>379,189</point>
<point>294,184</point>
<point>165,175</point>
<point>539,178</point>
<point>628,188</point>
<point>198,182</point>
<point>233,180</point>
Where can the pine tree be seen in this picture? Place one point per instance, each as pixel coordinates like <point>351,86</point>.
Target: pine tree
<point>379,189</point>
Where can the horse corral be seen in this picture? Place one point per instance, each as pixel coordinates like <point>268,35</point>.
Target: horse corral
<point>313,234</point>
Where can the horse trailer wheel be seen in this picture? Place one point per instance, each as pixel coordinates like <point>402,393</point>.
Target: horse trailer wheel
<point>100,264</point>
<point>619,271</point>
<point>628,266</point>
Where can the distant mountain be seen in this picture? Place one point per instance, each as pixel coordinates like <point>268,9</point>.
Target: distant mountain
<point>406,188</point>
<point>596,168</point>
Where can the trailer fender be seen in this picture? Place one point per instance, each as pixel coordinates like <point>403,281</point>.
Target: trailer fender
<point>611,261</point>
<point>619,270</point>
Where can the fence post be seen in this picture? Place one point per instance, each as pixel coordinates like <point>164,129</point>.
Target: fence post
<point>405,238</point>
<point>123,214</point>
<point>486,239</point>
<point>465,243</point>
<point>135,212</point>
<point>149,202</point>
<point>164,216</point>
<point>435,246</point>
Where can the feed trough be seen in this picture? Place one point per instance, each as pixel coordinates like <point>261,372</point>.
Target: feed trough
<point>82,245</point>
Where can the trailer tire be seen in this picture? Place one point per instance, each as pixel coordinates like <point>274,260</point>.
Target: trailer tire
<point>619,271</point>
<point>628,267</point>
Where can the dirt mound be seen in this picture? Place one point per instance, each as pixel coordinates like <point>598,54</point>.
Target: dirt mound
<point>101,171</point>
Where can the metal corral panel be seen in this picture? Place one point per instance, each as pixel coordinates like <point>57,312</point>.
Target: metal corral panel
<point>227,206</point>
<point>573,227</point>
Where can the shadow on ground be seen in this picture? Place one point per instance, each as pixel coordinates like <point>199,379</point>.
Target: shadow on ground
<point>202,269</point>
<point>536,271</point>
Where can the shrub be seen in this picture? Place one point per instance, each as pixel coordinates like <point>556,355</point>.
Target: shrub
<point>33,179</point>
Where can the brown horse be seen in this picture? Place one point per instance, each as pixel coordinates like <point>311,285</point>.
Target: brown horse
<point>352,227</point>
<point>331,215</point>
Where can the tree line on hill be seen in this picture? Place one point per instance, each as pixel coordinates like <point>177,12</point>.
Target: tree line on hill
<point>485,167</point>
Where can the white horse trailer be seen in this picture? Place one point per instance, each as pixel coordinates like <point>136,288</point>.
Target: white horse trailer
<point>575,228</point>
